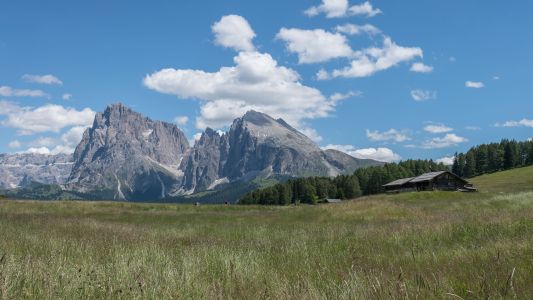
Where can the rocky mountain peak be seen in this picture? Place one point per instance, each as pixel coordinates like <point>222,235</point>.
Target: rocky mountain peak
<point>126,156</point>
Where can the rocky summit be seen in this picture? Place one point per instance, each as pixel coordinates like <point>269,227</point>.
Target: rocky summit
<point>126,156</point>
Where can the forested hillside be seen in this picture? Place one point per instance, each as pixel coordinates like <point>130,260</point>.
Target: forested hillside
<point>365,181</point>
<point>479,160</point>
<point>494,157</point>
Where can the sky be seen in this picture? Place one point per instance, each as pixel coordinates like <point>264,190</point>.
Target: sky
<point>387,80</point>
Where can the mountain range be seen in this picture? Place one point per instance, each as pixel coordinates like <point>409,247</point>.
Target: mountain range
<point>126,156</point>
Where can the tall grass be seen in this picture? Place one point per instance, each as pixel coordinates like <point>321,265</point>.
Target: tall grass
<point>402,246</point>
<point>416,245</point>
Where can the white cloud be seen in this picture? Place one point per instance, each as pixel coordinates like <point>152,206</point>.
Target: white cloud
<point>312,134</point>
<point>196,137</point>
<point>340,96</point>
<point>422,95</point>
<point>389,135</point>
<point>450,139</point>
<point>255,82</point>
<point>530,139</point>
<point>341,8</point>
<point>65,144</point>
<point>353,29</point>
<point>40,150</point>
<point>14,144</point>
<point>446,160</point>
<point>365,9</point>
<point>73,136</point>
<point>437,128</point>
<point>522,123</point>
<point>234,32</point>
<point>371,60</point>
<point>474,84</point>
<point>66,96</point>
<point>43,142</point>
<point>49,117</point>
<point>419,67</point>
<point>379,154</point>
<point>495,77</point>
<point>42,79</point>
<point>7,91</point>
<point>181,120</point>
<point>322,75</point>
<point>313,46</point>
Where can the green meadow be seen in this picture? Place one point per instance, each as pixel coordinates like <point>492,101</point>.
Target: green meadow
<point>445,245</point>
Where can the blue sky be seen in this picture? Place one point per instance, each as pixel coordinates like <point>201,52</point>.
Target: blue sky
<point>379,79</point>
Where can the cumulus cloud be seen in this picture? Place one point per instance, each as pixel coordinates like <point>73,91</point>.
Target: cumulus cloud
<point>40,150</point>
<point>234,32</point>
<point>522,123</point>
<point>437,128</point>
<point>371,60</point>
<point>312,134</point>
<point>389,135</point>
<point>65,144</point>
<point>421,68</point>
<point>256,81</point>
<point>49,117</point>
<point>342,8</point>
<point>42,79</point>
<point>181,120</point>
<point>450,139</point>
<point>43,142</point>
<point>353,29</point>
<point>422,95</point>
<point>66,96</point>
<point>446,160</point>
<point>14,144</point>
<point>7,91</point>
<point>313,46</point>
<point>379,154</point>
<point>474,84</point>
<point>340,96</point>
<point>322,75</point>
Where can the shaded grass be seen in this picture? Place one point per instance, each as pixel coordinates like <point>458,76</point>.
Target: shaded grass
<point>417,245</point>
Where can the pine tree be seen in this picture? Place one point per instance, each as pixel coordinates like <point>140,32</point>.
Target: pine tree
<point>455,165</point>
<point>470,165</point>
<point>461,165</point>
<point>510,155</point>
<point>481,154</point>
<point>309,194</point>
<point>530,154</point>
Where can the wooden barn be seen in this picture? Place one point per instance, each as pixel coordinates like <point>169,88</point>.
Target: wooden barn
<point>443,181</point>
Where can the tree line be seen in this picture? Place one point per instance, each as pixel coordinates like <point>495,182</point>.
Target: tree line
<point>493,157</point>
<point>365,181</point>
<point>479,160</point>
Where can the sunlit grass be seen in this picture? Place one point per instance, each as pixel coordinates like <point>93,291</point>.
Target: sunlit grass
<point>418,245</point>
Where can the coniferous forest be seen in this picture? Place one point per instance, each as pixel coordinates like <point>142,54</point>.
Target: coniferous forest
<point>479,160</point>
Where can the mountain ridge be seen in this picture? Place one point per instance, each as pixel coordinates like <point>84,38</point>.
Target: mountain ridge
<point>127,156</point>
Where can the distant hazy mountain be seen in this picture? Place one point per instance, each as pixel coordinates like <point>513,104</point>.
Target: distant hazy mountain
<point>19,170</point>
<point>126,156</point>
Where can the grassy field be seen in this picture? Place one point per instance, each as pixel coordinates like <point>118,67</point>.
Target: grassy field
<point>443,245</point>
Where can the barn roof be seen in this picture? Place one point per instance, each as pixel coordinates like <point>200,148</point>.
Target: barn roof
<point>399,181</point>
<point>427,176</point>
<point>422,178</point>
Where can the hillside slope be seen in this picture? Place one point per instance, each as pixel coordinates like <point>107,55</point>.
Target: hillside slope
<point>515,180</point>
